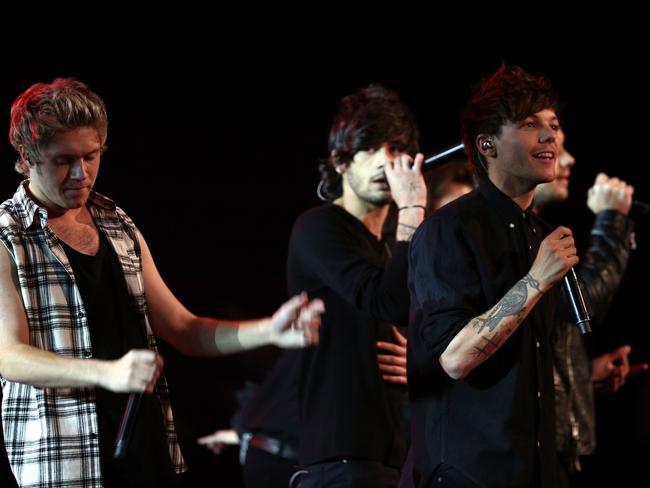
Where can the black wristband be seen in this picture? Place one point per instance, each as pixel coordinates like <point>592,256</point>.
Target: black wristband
<point>412,206</point>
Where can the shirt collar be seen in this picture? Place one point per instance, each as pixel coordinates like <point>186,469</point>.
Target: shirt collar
<point>32,209</point>
<point>505,206</point>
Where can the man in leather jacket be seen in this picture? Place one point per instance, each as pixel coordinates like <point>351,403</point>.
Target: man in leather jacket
<point>600,272</point>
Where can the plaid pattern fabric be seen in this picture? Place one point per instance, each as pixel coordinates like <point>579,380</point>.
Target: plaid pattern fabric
<point>51,433</point>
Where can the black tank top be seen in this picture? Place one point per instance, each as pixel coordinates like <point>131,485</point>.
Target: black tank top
<point>115,328</point>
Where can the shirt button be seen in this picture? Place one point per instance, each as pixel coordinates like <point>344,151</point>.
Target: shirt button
<point>530,247</point>
<point>81,315</point>
<point>539,444</point>
<point>537,344</point>
<point>512,226</point>
<point>539,394</point>
<point>534,230</point>
<point>439,479</point>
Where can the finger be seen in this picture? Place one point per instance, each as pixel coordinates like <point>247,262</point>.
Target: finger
<point>407,162</point>
<point>387,368</point>
<point>601,178</point>
<point>208,439</point>
<point>624,366</point>
<point>637,368</point>
<point>561,232</point>
<point>389,359</point>
<point>399,163</point>
<point>394,348</point>
<point>417,162</point>
<point>291,306</point>
<point>395,379</point>
<point>401,340</point>
<point>614,182</point>
<point>314,331</point>
<point>143,356</point>
<point>160,362</point>
<point>316,306</point>
<point>567,243</point>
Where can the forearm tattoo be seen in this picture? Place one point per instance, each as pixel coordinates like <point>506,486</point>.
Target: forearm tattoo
<point>491,344</point>
<point>532,282</point>
<point>512,304</point>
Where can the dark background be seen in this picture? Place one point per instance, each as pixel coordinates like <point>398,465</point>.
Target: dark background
<point>213,149</point>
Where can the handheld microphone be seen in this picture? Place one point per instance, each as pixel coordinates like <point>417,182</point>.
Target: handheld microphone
<point>576,302</point>
<point>126,426</point>
<point>443,157</point>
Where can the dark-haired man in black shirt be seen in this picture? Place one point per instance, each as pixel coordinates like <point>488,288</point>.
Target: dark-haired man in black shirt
<point>482,276</point>
<point>350,417</point>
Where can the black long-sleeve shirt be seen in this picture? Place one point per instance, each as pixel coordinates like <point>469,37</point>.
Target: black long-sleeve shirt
<point>273,408</point>
<point>496,426</point>
<point>347,410</point>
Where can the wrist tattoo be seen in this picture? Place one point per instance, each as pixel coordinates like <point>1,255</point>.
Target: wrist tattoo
<point>531,281</point>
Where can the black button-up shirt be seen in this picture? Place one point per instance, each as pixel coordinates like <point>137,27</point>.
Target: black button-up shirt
<point>496,426</point>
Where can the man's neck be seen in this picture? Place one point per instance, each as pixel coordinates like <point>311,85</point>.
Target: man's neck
<point>371,215</point>
<point>521,192</point>
<point>69,216</point>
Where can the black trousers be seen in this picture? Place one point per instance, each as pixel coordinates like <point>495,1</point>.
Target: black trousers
<point>351,473</point>
<point>264,470</point>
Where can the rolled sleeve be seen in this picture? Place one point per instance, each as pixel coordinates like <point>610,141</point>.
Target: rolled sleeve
<point>446,292</point>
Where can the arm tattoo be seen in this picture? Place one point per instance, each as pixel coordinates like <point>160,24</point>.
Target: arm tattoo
<point>532,282</point>
<point>511,304</point>
<point>491,345</point>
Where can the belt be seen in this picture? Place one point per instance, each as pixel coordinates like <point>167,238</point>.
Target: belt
<point>274,446</point>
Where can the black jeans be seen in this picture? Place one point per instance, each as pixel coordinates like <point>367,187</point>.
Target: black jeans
<point>350,473</point>
<point>264,470</point>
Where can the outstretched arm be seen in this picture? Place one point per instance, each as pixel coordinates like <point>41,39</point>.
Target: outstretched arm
<point>294,324</point>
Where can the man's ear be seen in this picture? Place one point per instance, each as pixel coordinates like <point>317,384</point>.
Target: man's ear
<point>485,145</point>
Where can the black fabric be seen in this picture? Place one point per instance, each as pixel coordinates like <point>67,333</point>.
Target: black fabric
<point>264,470</point>
<point>115,328</point>
<point>346,408</point>
<point>351,473</point>
<point>464,259</point>
<point>273,408</point>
